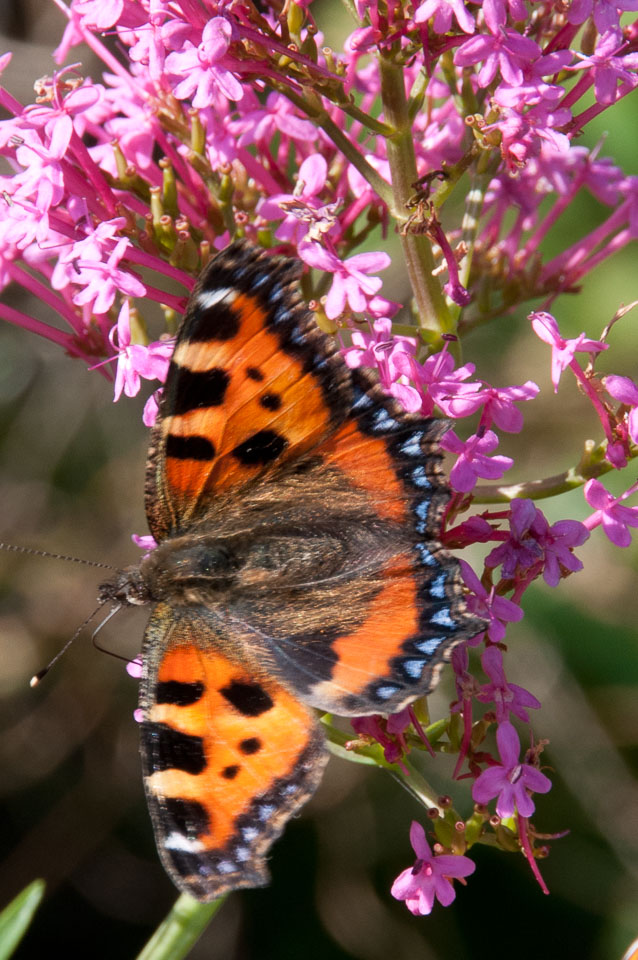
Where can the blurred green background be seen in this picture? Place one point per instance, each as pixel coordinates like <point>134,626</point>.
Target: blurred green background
<point>73,812</point>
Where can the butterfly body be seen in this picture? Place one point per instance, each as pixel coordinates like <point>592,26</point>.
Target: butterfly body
<point>297,511</point>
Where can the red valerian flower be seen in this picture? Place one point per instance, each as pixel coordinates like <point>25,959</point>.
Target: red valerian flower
<point>615,518</point>
<point>511,781</point>
<point>431,876</point>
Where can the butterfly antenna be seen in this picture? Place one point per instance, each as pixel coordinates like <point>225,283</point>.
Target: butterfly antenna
<point>37,677</point>
<point>55,556</point>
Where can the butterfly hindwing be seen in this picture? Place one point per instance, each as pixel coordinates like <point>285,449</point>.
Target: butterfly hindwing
<point>228,756</point>
<point>393,618</point>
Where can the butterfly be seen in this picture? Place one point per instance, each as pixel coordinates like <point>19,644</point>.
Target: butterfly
<point>297,512</point>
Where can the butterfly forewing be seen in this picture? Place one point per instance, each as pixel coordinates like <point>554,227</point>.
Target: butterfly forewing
<point>252,385</point>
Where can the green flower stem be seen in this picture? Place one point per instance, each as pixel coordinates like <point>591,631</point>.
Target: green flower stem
<point>17,916</point>
<point>322,119</point>
<point>181,929</point>
<point>417,786</point>
<point>376,126</point>
<point>434,316</point>
<point>372,755</point>
<point>592,465</point>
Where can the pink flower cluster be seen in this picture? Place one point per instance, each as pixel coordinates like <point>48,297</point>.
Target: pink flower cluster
<point>217,119</point>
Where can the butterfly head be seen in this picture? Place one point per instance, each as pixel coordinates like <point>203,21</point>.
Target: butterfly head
<point>127,588</point>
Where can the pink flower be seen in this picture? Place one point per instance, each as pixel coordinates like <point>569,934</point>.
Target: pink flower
<point>606,12</point>
<point>100,14</point>
<point>615,518</point>
<point>511,781</point>
<point>505,52</point>
<point>305,214</point>
<point>387,731</point>
<point>532,541</point>
<point>277,116</point>
<point>136,360</point>
<point>545,327</point>
<point>199,70</point>
<point>351,282</point>
<point>390,355</point>
<point>134,668</point>
<point>430,877</point>
<point>473,461</point>
<point>498,610</point>
<point>437,380</point>
<point>557,543</point>
<point>498,405</point>
<point>608,69</point>
<point>507,697</point>
<point>144,541</point>
<point>521,550</point>
<point>625,391</point>
<point>441,11</point>
<point>151,409</point>
<point>105,280</point>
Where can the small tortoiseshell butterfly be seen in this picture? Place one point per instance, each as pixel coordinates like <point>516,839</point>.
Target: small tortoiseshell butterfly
<point>296,510</point>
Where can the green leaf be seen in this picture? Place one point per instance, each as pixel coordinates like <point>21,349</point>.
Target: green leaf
<point>182,928</point>
<point>16,917</point>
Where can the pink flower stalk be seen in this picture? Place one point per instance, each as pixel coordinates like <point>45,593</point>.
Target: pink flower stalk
<point>431,876</point>
<point>511,781</point>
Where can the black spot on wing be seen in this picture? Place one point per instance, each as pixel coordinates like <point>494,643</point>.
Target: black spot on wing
<point>270,401</point>
<point>197,390</point>
<point>250,699</point>
<point>218,322</point>
<point>189,448</point>
<point>173,750</point>
<point>230,772</point>
<point>178,693</point>
<point>254,374</point>
<point>250,745</point>
<point>260,449</point>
